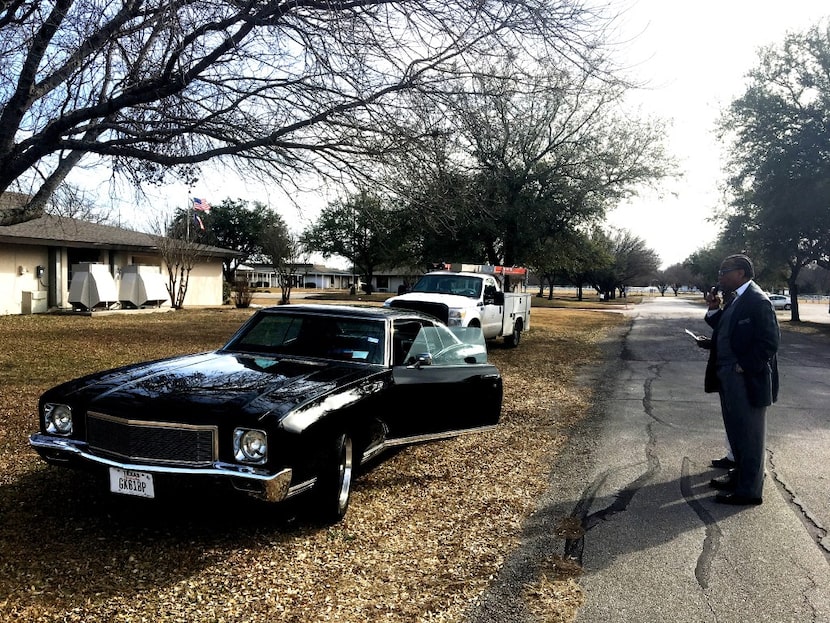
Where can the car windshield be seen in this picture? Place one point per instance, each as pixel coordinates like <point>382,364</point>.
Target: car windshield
<point>459,285</point>
<point>313,335</point>
<point>445,346</point>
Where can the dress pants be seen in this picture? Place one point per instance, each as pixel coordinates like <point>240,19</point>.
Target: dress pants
<point>746,429</point>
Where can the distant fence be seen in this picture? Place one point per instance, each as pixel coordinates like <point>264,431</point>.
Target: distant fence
<point>652,291</point>
<point>813,298</point>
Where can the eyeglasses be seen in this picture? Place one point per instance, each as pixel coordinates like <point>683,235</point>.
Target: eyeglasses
<point>723,271</point>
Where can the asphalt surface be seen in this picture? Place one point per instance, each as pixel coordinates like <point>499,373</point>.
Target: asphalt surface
<point>656,547</point>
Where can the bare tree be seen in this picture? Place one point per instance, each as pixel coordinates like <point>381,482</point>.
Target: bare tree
<point>527,157</point>
<point>70,201</point>
<point>180,254</point>
<point>155,87</point>
<point>283,250</point>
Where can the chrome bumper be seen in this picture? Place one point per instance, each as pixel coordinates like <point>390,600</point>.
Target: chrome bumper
<point>271,487</point>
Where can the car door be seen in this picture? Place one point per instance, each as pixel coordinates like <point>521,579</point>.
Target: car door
<point>492,315</point>
<point>458,391</point>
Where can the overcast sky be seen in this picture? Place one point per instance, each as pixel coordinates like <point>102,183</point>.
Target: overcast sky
<point>695,56</point>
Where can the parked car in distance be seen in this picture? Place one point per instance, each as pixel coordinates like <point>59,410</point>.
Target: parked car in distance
<point>298,399</point>
<point>779,301</point>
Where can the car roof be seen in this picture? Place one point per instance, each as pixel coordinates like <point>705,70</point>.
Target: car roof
<point>353,311</point>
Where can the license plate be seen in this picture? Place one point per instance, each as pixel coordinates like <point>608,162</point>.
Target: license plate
<point>129,482</point>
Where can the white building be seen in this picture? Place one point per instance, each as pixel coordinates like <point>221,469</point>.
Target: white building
<point>40,258</point>
<point>302,276</point>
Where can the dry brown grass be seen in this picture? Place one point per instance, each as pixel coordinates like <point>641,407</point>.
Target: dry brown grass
<point>427,530</point>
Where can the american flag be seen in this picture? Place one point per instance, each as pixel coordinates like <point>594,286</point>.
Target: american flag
<point>199,222</point>
<point>201,205</point>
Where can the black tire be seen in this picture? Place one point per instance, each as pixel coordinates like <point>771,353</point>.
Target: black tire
<point>514,338</point>
<point>334,482</point>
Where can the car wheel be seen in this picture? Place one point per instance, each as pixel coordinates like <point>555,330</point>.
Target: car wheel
<point>334,483</point>
<point>514,338</point>
<point>787,307</point>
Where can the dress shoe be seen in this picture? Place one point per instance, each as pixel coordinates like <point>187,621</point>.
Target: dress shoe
<point>735,499</point>
<point>724,483</point>
<point>724,463</point>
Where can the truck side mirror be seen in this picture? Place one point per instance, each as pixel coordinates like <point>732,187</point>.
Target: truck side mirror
<point>498,298</point>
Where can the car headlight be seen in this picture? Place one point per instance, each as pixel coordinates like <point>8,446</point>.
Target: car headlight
<point>456,316</point>
<point>58,418</point>
<point>250,445</point>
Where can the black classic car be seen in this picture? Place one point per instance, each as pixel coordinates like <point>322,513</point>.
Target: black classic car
<point>297,399</point>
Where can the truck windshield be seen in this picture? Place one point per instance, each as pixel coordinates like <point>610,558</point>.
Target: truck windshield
<point>460,285</point>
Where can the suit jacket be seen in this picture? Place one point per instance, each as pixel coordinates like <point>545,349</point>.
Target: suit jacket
<point>754,337</point>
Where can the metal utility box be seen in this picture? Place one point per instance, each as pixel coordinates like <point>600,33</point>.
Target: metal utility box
<point>33,303</point>
<point>92,287</point>
<point>141,286</point>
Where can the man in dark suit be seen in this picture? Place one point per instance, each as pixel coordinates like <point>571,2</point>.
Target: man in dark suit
<point>743,369</point>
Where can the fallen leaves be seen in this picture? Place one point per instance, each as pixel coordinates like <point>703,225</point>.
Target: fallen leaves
<point>428,528</point>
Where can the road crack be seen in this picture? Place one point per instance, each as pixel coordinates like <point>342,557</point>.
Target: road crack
<point>817,532</point>
<point>711,542</point>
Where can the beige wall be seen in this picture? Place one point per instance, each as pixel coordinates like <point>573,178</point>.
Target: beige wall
<point>13,284</point>
<point>204,287</point>
<point>25,293</point>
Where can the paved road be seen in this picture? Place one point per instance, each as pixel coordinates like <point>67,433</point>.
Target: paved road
<point>656,547</point>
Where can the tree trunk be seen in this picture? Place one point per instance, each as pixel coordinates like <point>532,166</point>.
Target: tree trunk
<point>793,286</point>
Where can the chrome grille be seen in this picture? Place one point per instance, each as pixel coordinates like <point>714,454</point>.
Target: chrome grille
<point>157,442</point>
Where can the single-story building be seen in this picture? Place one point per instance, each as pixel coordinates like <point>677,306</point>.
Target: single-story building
<point>40,259</point>
<point>304,275</point>
<point>323,277</point>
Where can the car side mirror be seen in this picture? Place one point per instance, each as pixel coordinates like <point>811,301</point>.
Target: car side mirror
<point>423,359</point>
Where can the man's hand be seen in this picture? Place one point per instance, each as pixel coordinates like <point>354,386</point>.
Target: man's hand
<point>704,342</point>
<point>713,299</point>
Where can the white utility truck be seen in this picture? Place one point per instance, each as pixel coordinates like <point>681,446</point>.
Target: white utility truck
<point>473,296</point>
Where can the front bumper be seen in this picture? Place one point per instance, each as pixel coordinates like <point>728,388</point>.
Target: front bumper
<point>272,487</point>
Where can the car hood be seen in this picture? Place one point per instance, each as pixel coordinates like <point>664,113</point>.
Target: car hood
<point>208,385</point>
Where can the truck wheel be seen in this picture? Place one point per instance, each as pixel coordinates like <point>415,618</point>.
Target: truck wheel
<point>513,339</point>
<point>334,483</point>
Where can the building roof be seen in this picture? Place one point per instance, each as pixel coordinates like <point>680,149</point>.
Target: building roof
<point>69,232</point>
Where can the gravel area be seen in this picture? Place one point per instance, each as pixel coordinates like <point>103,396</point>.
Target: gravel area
<point>428,528</point>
